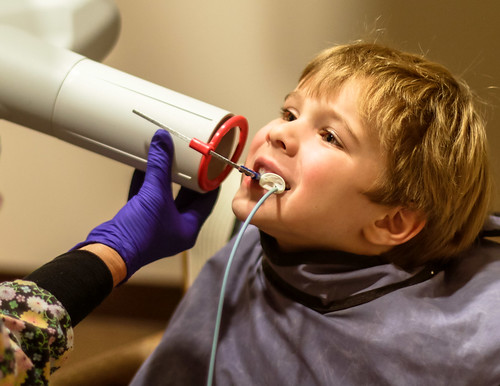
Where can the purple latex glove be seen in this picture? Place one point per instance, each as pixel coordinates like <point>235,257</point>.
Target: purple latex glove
<point>152,224</point>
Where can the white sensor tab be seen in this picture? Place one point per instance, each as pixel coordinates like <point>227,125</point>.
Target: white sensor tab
<point>270,181</point>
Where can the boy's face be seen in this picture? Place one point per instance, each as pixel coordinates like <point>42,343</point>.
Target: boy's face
<point>328,159</point>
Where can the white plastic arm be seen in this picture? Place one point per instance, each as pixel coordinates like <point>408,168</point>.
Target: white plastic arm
<point>78,100</point>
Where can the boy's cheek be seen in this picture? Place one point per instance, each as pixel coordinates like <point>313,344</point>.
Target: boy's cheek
<point>255,144</point>
<point>259,138</point>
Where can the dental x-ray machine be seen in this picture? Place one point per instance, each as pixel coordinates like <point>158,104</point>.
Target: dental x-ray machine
<point>70,96</point>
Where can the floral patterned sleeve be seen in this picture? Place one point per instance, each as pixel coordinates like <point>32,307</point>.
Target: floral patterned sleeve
<point>35,334</point>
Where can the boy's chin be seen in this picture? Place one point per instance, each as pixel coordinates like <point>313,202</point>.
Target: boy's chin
<point>242,207</point>
<point>242,203</point>
<point>236,206</point>
<point>239,211</point>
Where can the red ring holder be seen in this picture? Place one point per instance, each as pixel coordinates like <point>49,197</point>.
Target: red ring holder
<point>204,182</point>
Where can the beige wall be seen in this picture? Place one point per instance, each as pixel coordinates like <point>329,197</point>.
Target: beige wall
<point>241,55</point>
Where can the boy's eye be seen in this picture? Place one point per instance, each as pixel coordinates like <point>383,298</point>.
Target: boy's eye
<point>287,115</point>
<point>330,137</point>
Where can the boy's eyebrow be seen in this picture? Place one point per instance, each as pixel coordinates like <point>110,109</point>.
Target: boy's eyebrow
<point>289,95</point>
<point>346,126</point>
<point>335,115</point>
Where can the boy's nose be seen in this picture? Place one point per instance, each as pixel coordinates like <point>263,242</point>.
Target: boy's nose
<point>285,137</point>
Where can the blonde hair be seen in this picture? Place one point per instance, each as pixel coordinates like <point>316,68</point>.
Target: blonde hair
<point>433,138</point>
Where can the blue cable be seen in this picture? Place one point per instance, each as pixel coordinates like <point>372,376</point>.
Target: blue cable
<point>224,282</point>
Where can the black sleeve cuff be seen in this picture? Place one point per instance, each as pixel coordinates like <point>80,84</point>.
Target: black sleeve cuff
<point>79,279</point>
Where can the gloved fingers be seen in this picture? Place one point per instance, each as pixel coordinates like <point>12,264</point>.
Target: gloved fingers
<point>160,158</point>
<point>161,150</point>
<point>201,204</point>
<point>136,183</point>
<point>161,147</point>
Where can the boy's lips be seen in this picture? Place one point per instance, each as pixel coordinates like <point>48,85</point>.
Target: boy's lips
<point>265,166</point>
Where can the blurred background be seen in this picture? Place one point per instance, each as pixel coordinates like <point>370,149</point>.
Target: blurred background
<point>243,56</point>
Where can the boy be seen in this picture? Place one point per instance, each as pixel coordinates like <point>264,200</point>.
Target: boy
<point>356,273</point>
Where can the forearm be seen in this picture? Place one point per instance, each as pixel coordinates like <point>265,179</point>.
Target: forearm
<point>111,258</point>
<point>79,279</point>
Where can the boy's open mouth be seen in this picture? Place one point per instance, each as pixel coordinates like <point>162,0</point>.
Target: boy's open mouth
<point>263,170</point>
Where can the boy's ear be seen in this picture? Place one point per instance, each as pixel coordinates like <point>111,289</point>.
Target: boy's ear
<point>397,227</point>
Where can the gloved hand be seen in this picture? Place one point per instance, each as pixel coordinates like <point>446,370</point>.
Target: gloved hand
<point>152,224</point>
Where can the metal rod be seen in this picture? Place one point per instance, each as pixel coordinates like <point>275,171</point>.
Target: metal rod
<point>159,124</point>
<point>240,168</point>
